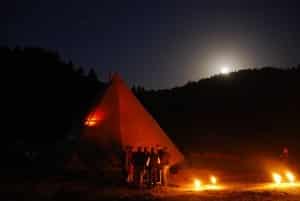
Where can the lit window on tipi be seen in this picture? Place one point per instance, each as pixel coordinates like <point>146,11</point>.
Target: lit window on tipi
<point>94,118</point>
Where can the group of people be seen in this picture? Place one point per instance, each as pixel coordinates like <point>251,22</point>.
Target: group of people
<point>144,166</point>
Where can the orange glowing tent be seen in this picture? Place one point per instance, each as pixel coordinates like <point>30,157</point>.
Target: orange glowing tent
<point>119,119</point>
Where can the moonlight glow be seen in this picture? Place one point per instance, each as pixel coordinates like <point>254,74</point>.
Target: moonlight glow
<point>225,70</point>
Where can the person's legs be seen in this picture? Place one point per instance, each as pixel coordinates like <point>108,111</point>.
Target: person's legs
<point>152,176</point>
<point>145,180</point>
<point>148,177</point>
<point>165,172</point>
<point>160,172</point>
<point>155,179</point>
<point>131,174</point>
<point>137,176</point>
<point>141,177</point>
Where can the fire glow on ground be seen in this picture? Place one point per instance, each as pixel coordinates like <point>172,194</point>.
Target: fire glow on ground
<point>286,180</point>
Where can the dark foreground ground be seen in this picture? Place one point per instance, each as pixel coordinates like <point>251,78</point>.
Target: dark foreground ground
<point>90,191</point>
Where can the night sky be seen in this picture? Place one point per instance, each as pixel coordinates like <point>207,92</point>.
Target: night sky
<point>158,44</point>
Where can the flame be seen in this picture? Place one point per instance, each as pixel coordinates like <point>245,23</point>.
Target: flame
<point>197,184</point>
<point>91,121</point>
<point>290,177</point>
<point>277,178</point>
<point>94,118</point>
<point>213,179</point>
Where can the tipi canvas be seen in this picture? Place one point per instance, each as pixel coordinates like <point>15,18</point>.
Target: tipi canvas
<point>119,119</point>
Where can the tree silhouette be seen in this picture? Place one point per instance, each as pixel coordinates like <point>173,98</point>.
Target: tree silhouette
<point>92,75</point>
<point>43,100</point>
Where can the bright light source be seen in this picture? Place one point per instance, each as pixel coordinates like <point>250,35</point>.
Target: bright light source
<point>197,184</point>
<point>91,121</point>
<point>94,118</point>
<point>290,177</point>
<point>225,70</point>
<point>213,180</point>
<point>277,178</point>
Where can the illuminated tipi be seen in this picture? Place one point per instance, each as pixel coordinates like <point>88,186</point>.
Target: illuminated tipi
<point>119,119</point>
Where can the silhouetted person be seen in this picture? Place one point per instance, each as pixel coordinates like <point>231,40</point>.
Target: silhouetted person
<point>129,167</point>
<point>139,167</point>
<point>146,166</point>
<point>284,156</point>
<point>164,156</point>
<point>153,167</point>
<point>159,169</point>
<point>124,164</point>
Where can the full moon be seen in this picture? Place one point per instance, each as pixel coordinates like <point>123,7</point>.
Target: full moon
<point>225,70</point>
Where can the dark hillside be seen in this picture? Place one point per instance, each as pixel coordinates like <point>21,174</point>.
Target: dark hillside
<point>249,111</point>
<point>44,101</point>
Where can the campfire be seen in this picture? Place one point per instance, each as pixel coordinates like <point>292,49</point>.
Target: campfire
<point>280,179</point>
<point>288,179</point>
<point>211,185</point>
<point>197,184</point>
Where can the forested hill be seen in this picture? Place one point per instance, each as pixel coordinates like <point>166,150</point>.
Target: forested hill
<point>245,111</point>
<point>43,100</point>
